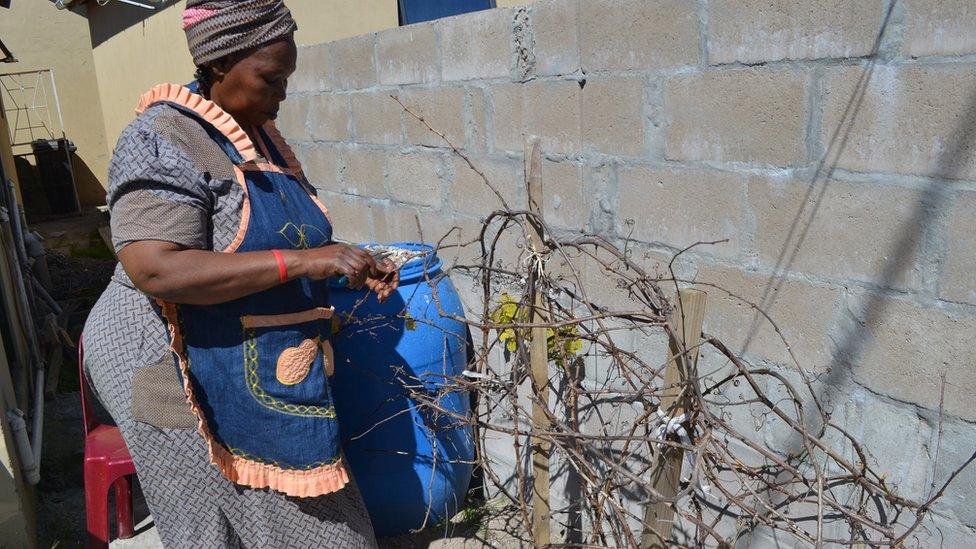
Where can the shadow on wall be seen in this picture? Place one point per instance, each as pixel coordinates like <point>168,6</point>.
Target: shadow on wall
<point>90,189</point>
<point>119,17</point>
<point>934,198</point>
<point>901,257</point>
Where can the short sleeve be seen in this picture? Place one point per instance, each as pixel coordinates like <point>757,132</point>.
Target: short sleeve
<point>156,192</point>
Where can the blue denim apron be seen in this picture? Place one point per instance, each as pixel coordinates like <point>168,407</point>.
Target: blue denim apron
<point>256,369</point>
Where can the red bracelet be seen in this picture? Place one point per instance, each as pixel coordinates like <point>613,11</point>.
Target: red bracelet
<point>282,269</point>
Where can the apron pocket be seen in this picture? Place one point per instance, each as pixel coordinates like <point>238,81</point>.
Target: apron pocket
<point>285,361</point>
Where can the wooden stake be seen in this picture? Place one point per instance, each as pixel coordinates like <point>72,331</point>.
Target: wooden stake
<point>538,355</point>
<point>688,319</point>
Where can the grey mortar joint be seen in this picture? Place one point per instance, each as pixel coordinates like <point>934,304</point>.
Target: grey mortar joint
<point>702,12</point>
<point>893,34</point>
<point>523,46</point>
<point>813,142</point>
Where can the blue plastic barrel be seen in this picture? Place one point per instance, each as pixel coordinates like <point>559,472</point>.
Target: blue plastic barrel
<point>410,462</point>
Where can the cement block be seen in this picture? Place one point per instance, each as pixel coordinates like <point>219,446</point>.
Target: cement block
<point>313,72</point>
<point>622,35</point>
<point>442,108</point>
<point>552,111</point>
<point>476,45</point>
<point>363,172</point>
<point>803,313</point>
<point>611,289</point>
<point>937,531</point>
<point>939,27</point>
<point>931,103</point>
<point>958,280</point>
<point>677,208</point>
<point>462,246</point>
<point>476,133</point>
<point>901,349</point>
<point>407,55</point>
<point>470,195</point>
<point>320,163</point>
<point>328,117</point>
<point>555,27</point>
<point>376,118</point>
<point>897,441</point>
<point>352,217</point>
<point>565,203</point>
<point>755,31</point>
<point>354,62</point>
<point>744,115</point>
<point>957,446</point>
<point>613,115</point>
<point>292,117</point>
<point>414,178</point>
<point>508,117</point>
<point>849,231</point>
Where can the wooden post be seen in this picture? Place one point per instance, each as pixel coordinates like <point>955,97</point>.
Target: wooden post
<point>538,355</point>
<point>688,319</point>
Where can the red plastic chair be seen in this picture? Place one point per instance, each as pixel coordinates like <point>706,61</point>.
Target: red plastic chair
<point>107,465</point>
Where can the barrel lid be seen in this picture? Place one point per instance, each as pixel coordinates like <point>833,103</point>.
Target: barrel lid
<point>414,270</point>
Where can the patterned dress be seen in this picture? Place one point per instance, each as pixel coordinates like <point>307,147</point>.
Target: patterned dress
<point>170,181</point>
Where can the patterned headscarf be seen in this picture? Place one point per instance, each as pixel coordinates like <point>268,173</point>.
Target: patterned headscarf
<point>216,28</point>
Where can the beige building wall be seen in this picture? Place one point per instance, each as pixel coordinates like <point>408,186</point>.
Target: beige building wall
<point>17,507</point>
<point>135,49</point>
<point>42,37</point>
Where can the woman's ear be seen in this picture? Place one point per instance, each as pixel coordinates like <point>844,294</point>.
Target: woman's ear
<point>219,69</point>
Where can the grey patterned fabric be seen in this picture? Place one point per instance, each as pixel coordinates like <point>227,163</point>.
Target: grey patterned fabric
<point>234,25</point>
<point>170,181</point>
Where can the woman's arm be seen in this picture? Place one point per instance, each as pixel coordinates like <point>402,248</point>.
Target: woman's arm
<point>199,277</point>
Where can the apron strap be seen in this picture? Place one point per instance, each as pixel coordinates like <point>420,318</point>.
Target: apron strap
<point>273,151</point>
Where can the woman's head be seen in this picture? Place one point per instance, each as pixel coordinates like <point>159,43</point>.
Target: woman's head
<point>245,53</point>
<point>251,85</point>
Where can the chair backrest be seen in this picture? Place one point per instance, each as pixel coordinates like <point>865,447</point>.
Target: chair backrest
<point>87,414</point>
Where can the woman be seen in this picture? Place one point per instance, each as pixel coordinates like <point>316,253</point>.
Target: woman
<point>210,347</point>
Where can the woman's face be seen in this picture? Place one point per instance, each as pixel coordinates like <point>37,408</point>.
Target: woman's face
<point>251,88</point>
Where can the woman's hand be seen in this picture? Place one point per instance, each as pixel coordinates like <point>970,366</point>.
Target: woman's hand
<point>338,260</point>
<point>385,285</point>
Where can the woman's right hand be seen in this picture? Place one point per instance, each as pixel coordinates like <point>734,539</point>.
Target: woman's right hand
<point>340,259</point>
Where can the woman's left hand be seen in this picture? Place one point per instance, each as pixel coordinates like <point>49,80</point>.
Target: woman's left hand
<point>384,286</point>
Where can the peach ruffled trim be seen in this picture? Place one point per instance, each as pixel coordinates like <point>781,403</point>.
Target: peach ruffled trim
<point>245,212</point>
<point>208,110</point>
<point>319,481</point>
<point>301,484</point>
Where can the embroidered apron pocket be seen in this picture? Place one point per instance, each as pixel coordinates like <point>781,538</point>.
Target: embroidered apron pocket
<point>286,361</point>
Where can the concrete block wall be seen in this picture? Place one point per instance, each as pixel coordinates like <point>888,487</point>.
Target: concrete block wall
<point>834,147</point>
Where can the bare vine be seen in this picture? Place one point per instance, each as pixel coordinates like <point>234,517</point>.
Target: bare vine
<point>817,488</point>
